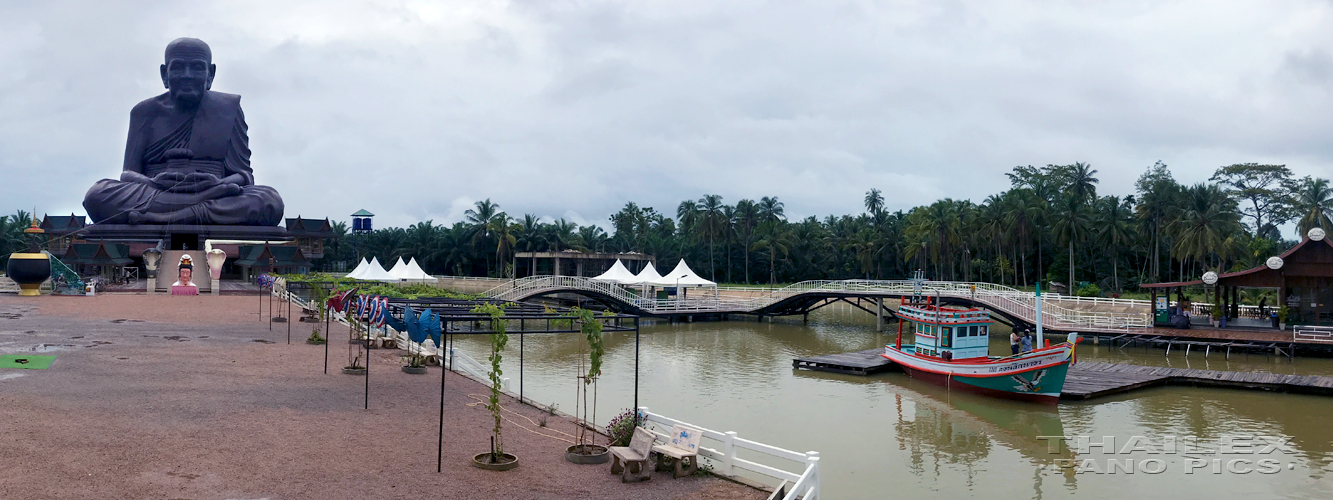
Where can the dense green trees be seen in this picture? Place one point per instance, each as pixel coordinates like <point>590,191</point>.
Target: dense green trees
<point>1051,224</point>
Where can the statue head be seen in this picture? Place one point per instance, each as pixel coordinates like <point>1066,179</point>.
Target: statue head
<point>188,71</point>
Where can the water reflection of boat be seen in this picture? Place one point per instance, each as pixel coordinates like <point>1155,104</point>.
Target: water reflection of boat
<point>952,348</point>
<point>966,427</point>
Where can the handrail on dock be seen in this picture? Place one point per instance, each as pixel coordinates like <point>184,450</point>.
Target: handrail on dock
<point>804,485</point>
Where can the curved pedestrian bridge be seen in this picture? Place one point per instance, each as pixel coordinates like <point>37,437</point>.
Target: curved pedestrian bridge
<point>1059,313</point>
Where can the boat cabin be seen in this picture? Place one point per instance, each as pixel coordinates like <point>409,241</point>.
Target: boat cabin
<point>949,333</point>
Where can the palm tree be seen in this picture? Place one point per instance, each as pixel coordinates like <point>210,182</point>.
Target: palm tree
<point>776,239</point>
<point>711,218</point>
<point>746,220</point>
<point>503,228</point>
<point>874,201</point>
<point>594,238</point>
<point>479,221</point>
<point>864,243</point>
<point>1115,230</point>
<point>1081,181</point>
<point>562,235</point>
<point>1314,202</point>
<point>771,210</point>
<point>1072,227</point>
<point>1203,225</point>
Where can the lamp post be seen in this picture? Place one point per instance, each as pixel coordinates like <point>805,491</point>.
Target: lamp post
<point>679,295</point>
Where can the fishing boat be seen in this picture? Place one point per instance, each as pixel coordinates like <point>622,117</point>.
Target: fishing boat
<point>952,348</point>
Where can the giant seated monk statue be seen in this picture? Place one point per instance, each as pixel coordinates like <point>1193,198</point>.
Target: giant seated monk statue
<point>187,160</point>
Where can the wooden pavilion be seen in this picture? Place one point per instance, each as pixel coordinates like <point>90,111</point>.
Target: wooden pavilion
<point>1302,276</point>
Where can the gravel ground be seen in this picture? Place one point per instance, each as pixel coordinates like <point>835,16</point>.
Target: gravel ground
<point>194,397</point>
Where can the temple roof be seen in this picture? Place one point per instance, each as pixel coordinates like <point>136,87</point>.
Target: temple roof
<point>97,254</point>
<point>316,228</point>
<point>62,223</point>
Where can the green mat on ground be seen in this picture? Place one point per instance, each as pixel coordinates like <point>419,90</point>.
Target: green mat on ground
<point>27,361</point>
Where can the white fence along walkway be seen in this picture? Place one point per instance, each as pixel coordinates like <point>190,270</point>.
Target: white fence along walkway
<point>802,484</point>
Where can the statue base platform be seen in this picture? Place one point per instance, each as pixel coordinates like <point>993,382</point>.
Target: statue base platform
<point>183,236</point>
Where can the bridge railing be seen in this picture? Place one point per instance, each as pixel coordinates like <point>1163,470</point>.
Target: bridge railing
<point>1058,311</point>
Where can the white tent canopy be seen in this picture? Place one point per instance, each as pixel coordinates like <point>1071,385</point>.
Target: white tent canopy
<point>617,274</point>
<point>647,275</point>
<point>415,272</point>
<point>360,268</point>
<point>682,276</point>
<point>376,272</point>
<point>399,270</point>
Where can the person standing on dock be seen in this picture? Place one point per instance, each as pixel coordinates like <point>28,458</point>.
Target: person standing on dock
<point>1013,342</point>
<point>1027,343</point>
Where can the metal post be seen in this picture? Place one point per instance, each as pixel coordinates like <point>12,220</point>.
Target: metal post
<point>520,360</point>
<point>636,369</point>
<point>328,336</point>
<point>439,452</point>
<point>1039,320</point>
<point>367,396</point>
<point>289,320</point>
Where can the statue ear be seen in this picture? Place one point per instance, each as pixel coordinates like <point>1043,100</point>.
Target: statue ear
<point>163,70</point>
<point>212,72</point>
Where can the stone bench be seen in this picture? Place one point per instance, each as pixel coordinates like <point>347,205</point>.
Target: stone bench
<point>631,462</point>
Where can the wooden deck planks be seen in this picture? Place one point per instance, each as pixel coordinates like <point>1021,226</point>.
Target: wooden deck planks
<point>865,362</point>
<point>1090,380</point>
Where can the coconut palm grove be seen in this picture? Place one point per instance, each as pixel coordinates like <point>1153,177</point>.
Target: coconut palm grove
<point>1049,217</point>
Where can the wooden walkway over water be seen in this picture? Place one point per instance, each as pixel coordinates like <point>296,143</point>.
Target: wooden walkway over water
<point>1089,380</point>
<point>867,362</point>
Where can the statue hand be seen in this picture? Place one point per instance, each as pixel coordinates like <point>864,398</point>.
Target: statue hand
<point>195,184</point>
<point>167,180</point>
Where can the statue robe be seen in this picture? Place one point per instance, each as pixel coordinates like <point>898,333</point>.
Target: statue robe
<point>216,133</point>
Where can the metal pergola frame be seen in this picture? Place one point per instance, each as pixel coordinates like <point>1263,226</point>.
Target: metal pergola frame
<point>458,312</point>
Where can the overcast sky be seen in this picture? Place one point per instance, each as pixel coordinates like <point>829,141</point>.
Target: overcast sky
<point>415,110</point>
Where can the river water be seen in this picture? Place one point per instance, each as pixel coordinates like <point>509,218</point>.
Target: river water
<point>889,436</point>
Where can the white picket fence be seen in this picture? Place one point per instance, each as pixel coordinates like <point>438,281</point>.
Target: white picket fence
<point>803,484</point>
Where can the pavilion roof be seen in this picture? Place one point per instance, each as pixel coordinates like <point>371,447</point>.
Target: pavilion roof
<point>1307,258</point>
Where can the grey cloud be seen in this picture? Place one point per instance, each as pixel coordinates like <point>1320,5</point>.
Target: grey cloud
<point>570,109</point>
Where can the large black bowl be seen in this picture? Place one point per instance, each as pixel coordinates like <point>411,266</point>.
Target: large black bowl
<point>29,270</point>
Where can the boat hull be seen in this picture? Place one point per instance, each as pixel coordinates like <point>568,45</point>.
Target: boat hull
<point>1038,376</point>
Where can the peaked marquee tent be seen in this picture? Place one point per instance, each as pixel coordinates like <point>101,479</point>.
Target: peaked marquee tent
<point>617,274</point>
<point>375,272</point>
<point>360,268</point>
<point>683,276</point>
<point>414,272</point>
<point>648,274</point>
<point>399,270</point>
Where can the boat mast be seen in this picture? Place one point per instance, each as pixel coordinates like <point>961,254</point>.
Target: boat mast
<point>1039,334</point>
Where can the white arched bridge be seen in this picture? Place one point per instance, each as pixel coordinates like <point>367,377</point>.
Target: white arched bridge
<point>1013,306</point>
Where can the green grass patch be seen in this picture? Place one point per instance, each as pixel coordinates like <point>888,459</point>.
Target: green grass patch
<point>26,361</point>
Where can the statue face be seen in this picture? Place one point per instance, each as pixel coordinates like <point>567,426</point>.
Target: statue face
<point>186,79</point>
<point>186,274</point>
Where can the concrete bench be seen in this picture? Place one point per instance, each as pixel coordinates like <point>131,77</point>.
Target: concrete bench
<point>681,451</point>
<point>632,462</point>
